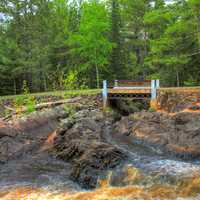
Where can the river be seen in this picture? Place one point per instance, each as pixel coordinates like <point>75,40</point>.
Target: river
<point>37,175</point>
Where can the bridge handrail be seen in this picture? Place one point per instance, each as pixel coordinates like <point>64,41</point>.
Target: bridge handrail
<point>129,83</point>
<point>153,85</point>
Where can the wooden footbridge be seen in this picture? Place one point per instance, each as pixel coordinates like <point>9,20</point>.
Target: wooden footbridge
<point>125,89</point>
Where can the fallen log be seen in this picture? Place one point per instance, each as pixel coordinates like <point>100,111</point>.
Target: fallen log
<point>49,104</point>
<point>36,107</point>
<point>9,108</point>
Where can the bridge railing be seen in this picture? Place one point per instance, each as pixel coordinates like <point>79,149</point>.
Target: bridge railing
<point>131,84</point>
<point>152,85</point>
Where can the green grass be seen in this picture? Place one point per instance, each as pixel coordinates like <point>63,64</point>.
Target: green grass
<point>62,94</point>
<point>176,89</point>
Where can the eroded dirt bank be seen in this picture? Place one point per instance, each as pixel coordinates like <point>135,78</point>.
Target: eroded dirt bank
<point>57,153</point>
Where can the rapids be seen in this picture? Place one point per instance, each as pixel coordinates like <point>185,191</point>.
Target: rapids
<point>37,175</point>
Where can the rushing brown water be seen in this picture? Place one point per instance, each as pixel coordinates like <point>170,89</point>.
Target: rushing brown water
<point>186,189</point>
<point>175,180</point>
<point>147,176</point>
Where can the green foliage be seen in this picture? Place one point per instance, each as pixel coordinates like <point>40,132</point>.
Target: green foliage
<point>19,101</point>
<point>71,81</point>
<point>25,100</point>
<point>152,110</point>
<point>25,88</point>
<point>116,58</point>
<point>91,42</point>
<point>191,82</point>
<point>51,44</point>
<point>69,110</point>
<point>30,106</point>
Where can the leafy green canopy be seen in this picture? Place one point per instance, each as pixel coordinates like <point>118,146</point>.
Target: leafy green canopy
<point>47,42</point>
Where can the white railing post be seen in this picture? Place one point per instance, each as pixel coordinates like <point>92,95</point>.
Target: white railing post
<point>153,89</point>
<point>116,83</point>
<point>157,83</point>
<point>105,94</point>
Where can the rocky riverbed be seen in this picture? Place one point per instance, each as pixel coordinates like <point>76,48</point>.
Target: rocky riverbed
<point>176,135</point>
<point>77,152</point>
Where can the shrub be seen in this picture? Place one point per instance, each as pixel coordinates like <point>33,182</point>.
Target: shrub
<point>152,109</point>
<point>71,81</point>
<point>24,100</point>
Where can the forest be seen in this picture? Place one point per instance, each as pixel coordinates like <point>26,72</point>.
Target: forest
<point>75,44</point>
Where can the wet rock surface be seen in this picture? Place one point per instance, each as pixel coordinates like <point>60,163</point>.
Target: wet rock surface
<point>19,137</point>
<point>177,134</point>
<point>84,145</point>
<point>74,134</point>
<point>63,150</point>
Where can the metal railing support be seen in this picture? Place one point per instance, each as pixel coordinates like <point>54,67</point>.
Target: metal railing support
<point>153,89</point>
<point>116,83</point>
<point>105,94</point>
<point>155,84</point>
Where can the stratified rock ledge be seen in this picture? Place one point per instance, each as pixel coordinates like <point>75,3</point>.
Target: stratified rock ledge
<point>177,135</point>
<point>84,145</point>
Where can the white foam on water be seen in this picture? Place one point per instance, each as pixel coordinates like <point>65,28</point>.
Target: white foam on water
<point>173,167</point>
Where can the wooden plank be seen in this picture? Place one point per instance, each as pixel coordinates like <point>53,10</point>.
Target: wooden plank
<point>131,88</point>
<point>129,83</point>
<point>129,91</point>
<point>135,82</point>
<point>136,98</point>
<point>180,89</point>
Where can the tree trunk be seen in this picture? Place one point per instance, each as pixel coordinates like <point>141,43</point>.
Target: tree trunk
<point>44,82</point>
<point>177,79</point>
<point>14,86</point>
<point>97,76</point>
<point>97,70</point>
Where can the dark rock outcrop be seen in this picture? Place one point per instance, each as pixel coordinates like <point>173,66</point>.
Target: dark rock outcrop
<point>19,136</point>
<point>177,100</point>
<point>85,147</point>
<point>177,135</point>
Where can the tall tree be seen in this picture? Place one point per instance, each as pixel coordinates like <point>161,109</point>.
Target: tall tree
<point>91,42</point>
<point>46,42</point>
<point>135,35</point>
<point>172,44</point>
<point>116,55</point>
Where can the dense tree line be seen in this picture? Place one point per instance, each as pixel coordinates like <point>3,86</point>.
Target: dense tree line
<point>49,43</point>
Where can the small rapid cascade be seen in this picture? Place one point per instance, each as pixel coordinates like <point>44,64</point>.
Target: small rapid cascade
<point>143,177</point>
<point>127,183</point>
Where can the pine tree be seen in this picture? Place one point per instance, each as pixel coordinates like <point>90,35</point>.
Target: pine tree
<point>116,55</point>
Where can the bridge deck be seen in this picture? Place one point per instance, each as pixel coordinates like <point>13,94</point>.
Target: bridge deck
<point>144,90</point>
<point>126,89</point>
